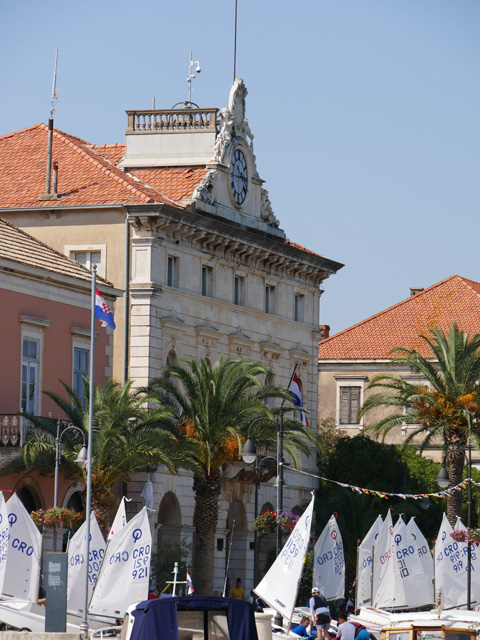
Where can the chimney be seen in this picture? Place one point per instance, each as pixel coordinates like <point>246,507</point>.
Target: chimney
<point>415,290</point>
<point>324,331</point>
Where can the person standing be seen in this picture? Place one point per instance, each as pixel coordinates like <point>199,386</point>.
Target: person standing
<point>237,591</point>
<point>320,614</point>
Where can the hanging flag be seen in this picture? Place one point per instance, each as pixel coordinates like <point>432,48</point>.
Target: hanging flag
<point>297,397</point>
<point>103,311</point>
<point>190,588</point>
<point>329,562</point>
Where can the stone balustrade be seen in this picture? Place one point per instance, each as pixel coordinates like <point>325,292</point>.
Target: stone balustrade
<point>172,120</point>
<point>12,430</point>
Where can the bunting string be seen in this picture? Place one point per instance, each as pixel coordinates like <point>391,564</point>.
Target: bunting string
<point>385,494</point>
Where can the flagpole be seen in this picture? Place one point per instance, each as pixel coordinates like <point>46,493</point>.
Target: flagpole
<point>84,625</point>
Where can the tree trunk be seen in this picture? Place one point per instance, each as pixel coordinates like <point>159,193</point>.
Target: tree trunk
<point>102,500</point>
<point>205,517</point>
<point>455,443</point>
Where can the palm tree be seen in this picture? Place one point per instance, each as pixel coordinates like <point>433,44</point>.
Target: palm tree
<point>127,436</point>
<point>444,403</point>
<point>215,406</point>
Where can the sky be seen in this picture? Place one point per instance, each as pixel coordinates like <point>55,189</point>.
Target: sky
<point>366,115</point>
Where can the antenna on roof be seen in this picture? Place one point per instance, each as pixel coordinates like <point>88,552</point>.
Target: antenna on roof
<point>49,196</point>
<point>191,77</point>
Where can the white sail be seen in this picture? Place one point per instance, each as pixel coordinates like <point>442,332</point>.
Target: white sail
<point>425,557</point>
<point>383,566</point>
<point>4,532</point>
<point>76,563</point>
<point>22,572</point>
<point>279,586</point>
<point>413,588</point>
<point>450,567</point>
<point>475,560</point>
<point>329,562</point>
<point>125,570</point>
<point>365,561</point>
<point>120,519</point>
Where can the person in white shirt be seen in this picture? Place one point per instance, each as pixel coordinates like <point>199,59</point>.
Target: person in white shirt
<point>346,630</point>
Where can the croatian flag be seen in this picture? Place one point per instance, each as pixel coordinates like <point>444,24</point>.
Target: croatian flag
<point>297,397</point>
<point>103,311</point>
<point>190,588</point>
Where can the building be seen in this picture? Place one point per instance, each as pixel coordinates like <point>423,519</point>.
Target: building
<point>348,360</point>
<point>45,338</point>
<point>179,218</point>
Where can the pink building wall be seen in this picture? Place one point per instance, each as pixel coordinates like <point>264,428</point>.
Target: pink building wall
<point>57,356</point>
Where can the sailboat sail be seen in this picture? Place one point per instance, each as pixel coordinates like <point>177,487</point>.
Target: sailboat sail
<point>125,572</point>
<point>4,527</point>
<point>22,572</point>
<point>383,566</point>
<point>365,561</point>
<point>413,588</point>
<point>450,567</point>
<point>120,519</point>
<point>279,586</point>
<point>425,557</point>
<point>76,563</point>
<point>329,562</point>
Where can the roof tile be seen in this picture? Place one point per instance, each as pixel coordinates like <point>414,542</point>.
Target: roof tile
<point>455,299</point>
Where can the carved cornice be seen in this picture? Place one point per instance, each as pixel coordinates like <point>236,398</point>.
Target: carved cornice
<point>227,241</point>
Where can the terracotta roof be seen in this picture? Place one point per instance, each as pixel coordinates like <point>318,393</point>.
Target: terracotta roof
<point>177,183</point>
<point>455,299</point>
<point>112,152</point>
<point>86,176</point>
<point>20,247</point>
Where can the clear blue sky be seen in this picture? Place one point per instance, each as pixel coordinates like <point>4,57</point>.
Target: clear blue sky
<point>365,114</point>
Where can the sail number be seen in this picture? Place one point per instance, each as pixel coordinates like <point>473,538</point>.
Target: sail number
<point>294,546</point>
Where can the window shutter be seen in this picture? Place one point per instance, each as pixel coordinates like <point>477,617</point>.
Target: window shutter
<point>344,405</point>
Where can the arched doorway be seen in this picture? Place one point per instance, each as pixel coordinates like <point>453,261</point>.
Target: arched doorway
<point>265,544</point>
<point>170,521</point>
<point>236,556</point>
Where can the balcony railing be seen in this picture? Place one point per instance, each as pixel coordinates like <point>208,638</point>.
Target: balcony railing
<point>171,120</point>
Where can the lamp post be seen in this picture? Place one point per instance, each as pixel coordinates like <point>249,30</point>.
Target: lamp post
<point>443,480</point>
<point>81,460</point>
<point>249,455</point>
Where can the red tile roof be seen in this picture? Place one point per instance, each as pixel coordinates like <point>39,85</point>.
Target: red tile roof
<point>86,173</point>
<point>19,247</point>
<point>177,183</point>
<point>455,299</point>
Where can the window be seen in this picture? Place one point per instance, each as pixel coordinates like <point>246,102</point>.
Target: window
<point>269,299</point>
<point>299,307</point>
<point>30,374</point>
<point>349,405</point>
<point>239,291</point>
<point>172,271</point>
<point>88,255</point>
<point>80,369</point>
<point>207,281</point>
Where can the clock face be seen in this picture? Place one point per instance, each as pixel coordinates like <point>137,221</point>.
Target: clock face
<point>239,177</point>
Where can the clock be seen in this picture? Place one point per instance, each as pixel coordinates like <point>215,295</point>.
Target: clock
<point>239,177</point>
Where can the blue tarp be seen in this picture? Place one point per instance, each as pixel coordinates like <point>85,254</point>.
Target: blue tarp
<point>157,619</point>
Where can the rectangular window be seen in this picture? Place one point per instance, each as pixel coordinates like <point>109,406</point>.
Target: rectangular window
<point>299,307</point>
<point>30,374</point>
<point>207,281</point>
<point>88,259</point>
<point>172,271</point>
<point>80,369</point>
<point>349,405</point>
<point>269,299</point>
<point>239,291</point>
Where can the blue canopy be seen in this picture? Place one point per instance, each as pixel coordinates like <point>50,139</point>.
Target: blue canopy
<point>157,619</point>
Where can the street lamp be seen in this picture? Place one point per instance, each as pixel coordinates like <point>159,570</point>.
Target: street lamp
<point>81,460</point>
<point>249,455</point>
<point>443,480</point>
